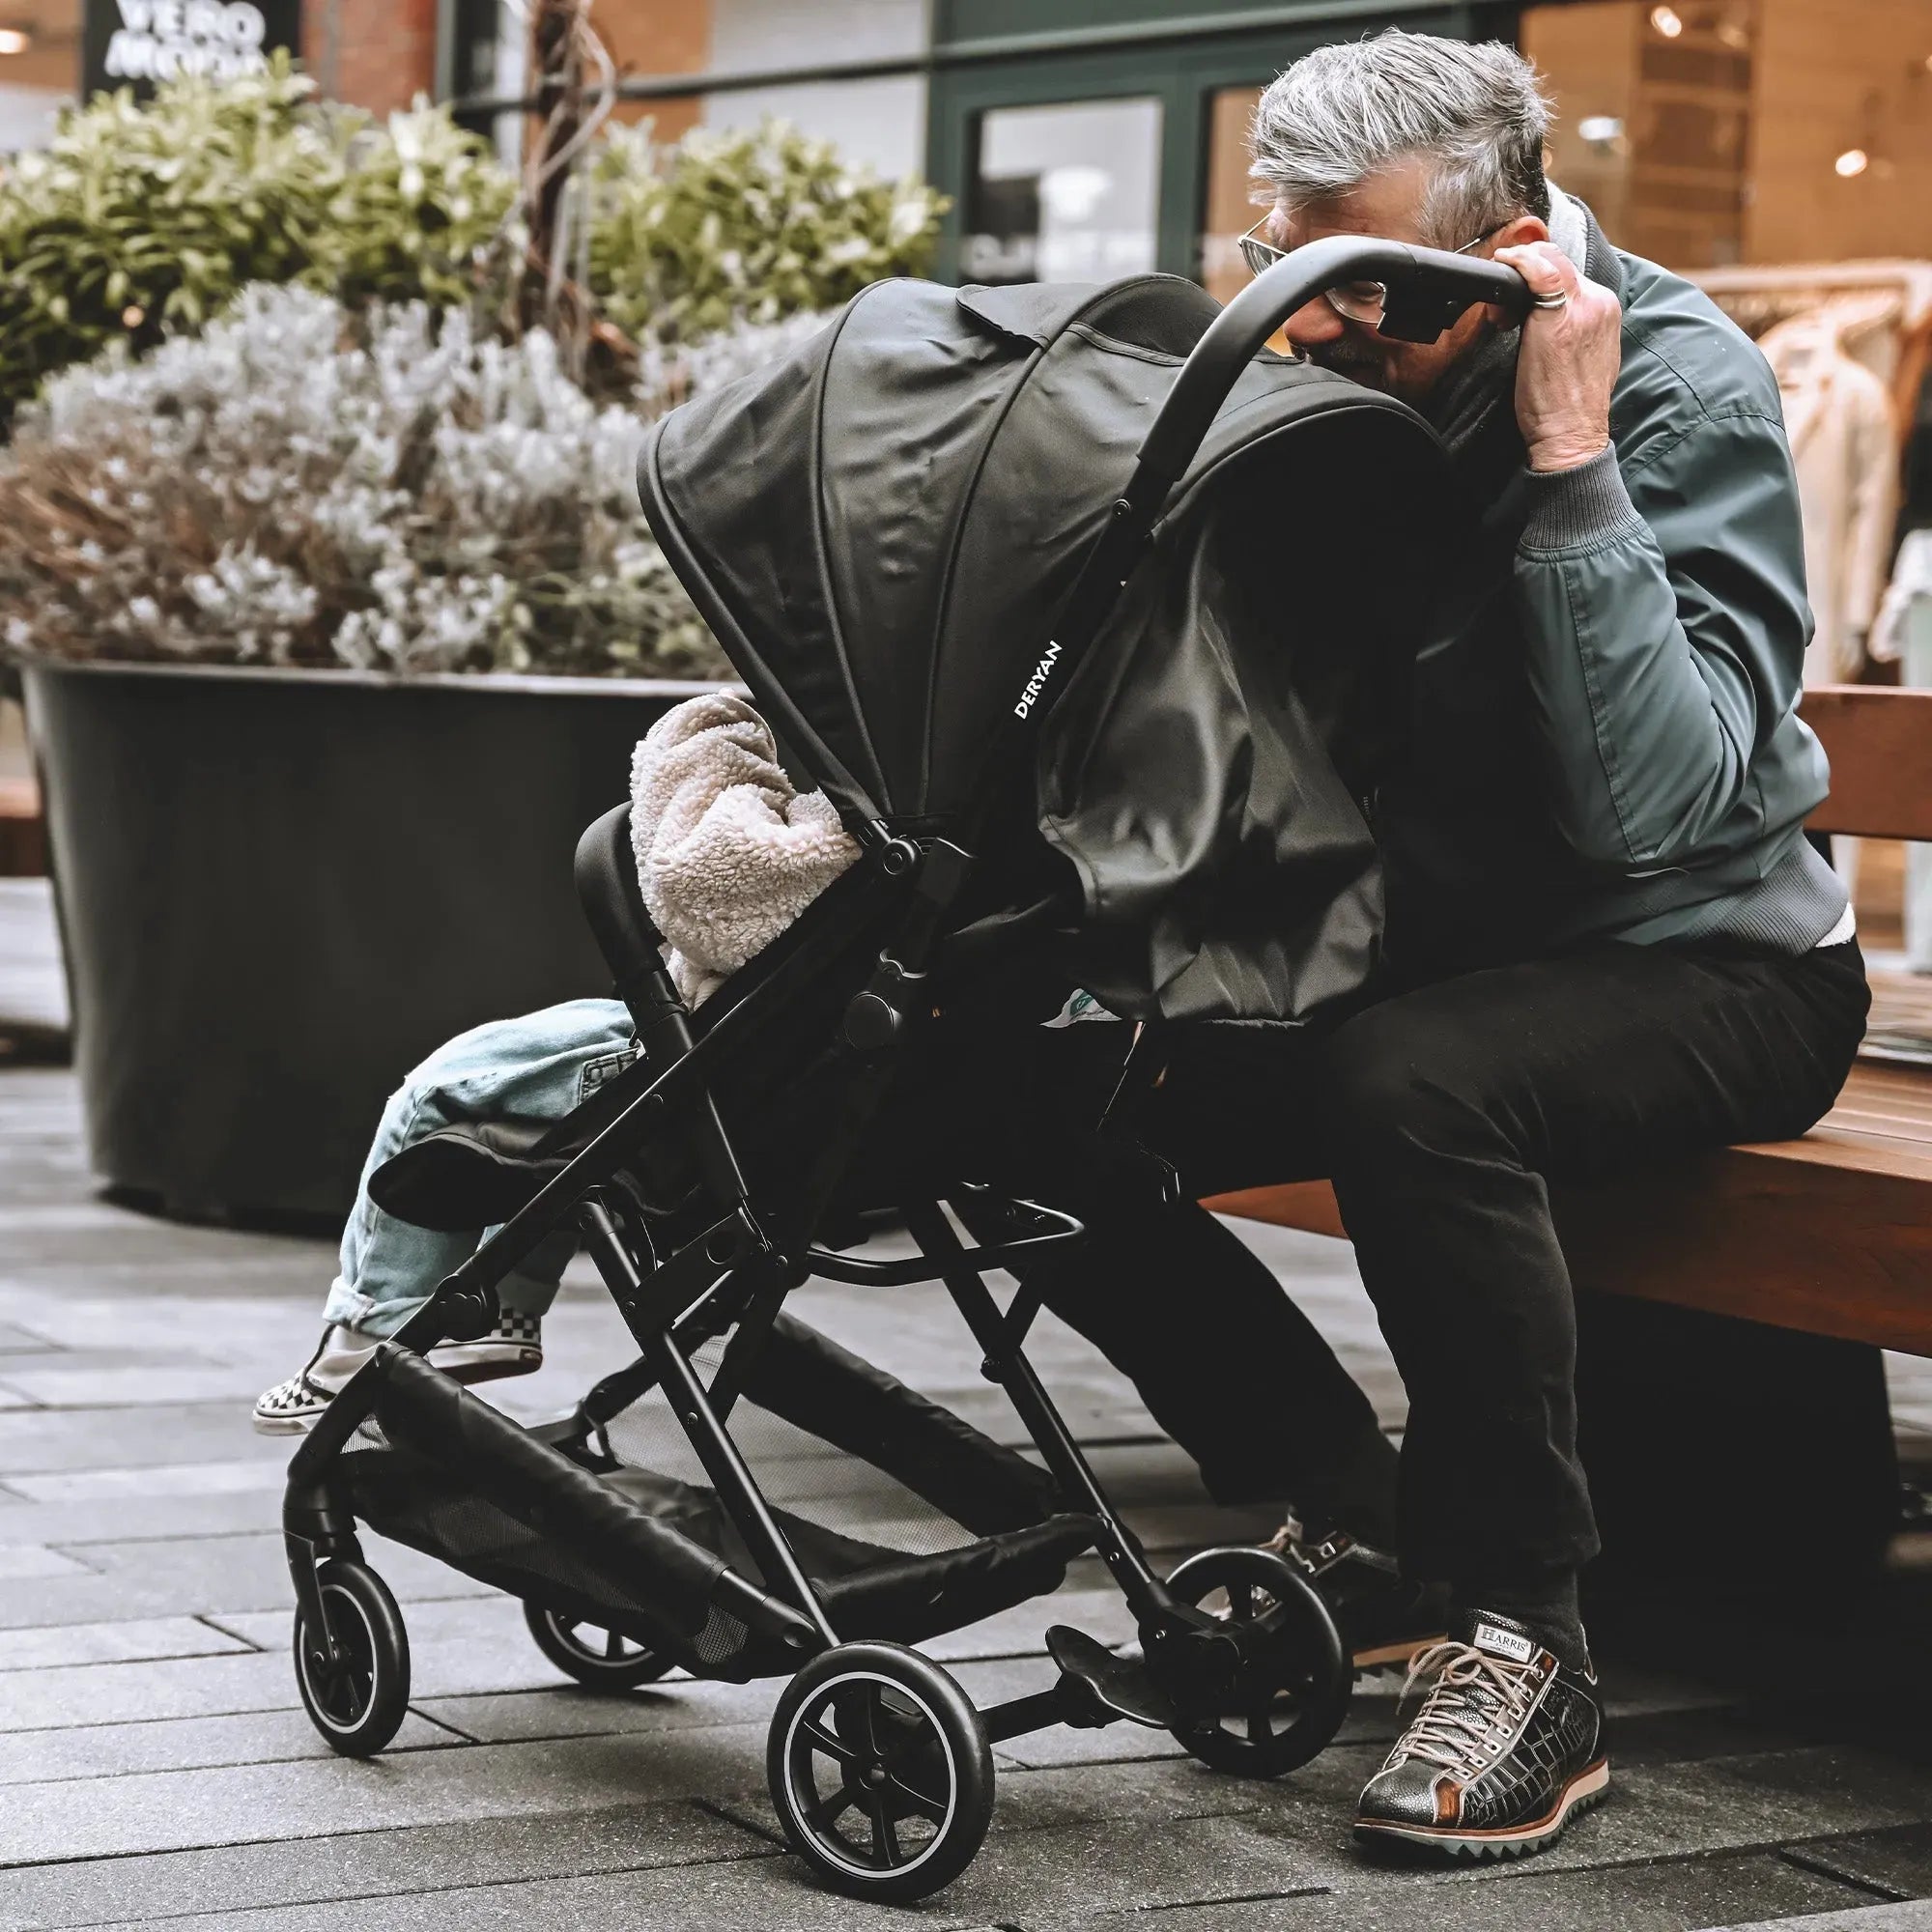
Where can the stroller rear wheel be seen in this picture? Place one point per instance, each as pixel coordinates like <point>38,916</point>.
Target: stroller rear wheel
<point>1286,1698</point>
<point>357,1699</point>
<point>599,1659</point>
<point>880,1772</point>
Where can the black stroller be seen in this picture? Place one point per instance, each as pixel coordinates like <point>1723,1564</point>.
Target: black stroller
<point>914,539</point>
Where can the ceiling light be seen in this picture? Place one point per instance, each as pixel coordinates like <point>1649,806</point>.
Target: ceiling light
<point>1853,161</point>
<point>1668,21</point>
<point>13,41</point>
<point>1599,128</point>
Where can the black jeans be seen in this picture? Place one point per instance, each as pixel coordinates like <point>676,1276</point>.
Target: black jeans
<point>1439,1115</point>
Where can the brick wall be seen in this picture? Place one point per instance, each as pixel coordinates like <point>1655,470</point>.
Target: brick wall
<point>658,37</point>
<point>377,54</point>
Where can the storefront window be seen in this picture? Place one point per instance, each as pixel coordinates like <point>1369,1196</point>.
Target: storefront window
<point>1745,131</point>
<point>1228,207</point>
<point>40,62</point>
<point>1067,192</point>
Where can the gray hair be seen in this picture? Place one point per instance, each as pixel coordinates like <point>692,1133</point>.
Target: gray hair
<point>1344,112</point>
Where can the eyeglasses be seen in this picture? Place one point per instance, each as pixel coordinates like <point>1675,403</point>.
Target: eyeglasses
<point>1353,301</point>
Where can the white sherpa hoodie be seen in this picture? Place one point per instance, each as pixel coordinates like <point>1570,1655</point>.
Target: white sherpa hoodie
<point>729,854</point>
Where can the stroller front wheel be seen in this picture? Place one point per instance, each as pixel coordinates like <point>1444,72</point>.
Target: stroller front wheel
<point>1287,1696</point>
<point>598,1658</point>
<point>358,1698</point>
<point>880,1772</point>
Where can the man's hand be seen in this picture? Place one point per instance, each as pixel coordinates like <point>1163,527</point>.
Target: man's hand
<point>1568,361</point>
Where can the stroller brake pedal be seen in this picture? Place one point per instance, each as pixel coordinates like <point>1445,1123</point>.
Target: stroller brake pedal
<point>1119,1685</point>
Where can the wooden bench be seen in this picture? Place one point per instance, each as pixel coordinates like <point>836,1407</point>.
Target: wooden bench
<point>23,848</point>
<point>1731,1393</point>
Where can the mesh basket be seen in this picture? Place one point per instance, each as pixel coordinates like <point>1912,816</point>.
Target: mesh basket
<point>797,1472</point>
<point>620,1526</point>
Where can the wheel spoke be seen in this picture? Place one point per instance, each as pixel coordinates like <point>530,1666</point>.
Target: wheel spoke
<point>1261,1724</point>
<point>821,1739</point>
<point>914,1800</point>
<point>1241,1603</point>
<point>613,1647</point>
<point>869,1709</point>
<point>885,1836</point>
<point>827,1812</point>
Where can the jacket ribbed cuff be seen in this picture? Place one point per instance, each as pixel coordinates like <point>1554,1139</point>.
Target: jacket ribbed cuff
<point>1569,508</point>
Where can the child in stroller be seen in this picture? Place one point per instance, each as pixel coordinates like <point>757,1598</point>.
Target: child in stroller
<point>728,856</point>
<point>701,1177</point>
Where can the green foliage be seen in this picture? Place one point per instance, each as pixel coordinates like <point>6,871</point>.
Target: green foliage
<point>745,225</point>
<point>422,200</point>
<point>143,220</point>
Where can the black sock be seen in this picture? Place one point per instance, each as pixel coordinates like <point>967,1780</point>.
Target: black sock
<point>1549,1612</point>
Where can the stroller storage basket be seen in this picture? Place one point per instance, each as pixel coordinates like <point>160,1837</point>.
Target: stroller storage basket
<point>544,1515</point>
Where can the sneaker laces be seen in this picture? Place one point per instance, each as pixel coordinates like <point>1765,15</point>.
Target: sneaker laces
<point>1473,1697</point>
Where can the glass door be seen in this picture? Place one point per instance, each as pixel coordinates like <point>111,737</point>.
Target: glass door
<point>1091,164</point>
<point>1228,206</point>
<point>1068,192</point>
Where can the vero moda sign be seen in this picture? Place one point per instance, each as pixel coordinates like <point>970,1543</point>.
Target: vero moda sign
<point>137,42</point>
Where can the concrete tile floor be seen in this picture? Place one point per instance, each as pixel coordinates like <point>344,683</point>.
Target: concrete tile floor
<point>157,1766</point>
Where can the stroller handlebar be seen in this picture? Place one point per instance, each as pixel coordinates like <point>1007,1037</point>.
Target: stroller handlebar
<point>1426,289</point>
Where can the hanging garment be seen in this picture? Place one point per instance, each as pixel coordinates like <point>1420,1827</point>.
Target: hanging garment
<point>1905,617</point>
<point>1903,636</point>
<point>1838,418</point>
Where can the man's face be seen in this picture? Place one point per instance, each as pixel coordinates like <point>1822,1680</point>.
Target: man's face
<point>1389,204</point>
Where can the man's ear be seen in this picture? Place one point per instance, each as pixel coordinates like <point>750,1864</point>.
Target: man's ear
<point>1515,234</point>
<point>1525,228</point>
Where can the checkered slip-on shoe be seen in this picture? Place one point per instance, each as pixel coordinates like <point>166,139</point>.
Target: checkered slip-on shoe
<point>1506,1748</point>
<point>1385,1619</point>
<point>514,1346</point>
<point>290,1408</point>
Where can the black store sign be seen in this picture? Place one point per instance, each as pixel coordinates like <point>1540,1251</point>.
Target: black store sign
<point>137,42</point>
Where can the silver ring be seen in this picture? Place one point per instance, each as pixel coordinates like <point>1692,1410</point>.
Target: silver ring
<point>1560,300</point>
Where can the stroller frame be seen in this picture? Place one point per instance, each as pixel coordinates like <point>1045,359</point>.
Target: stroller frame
<point>1275,1637</point>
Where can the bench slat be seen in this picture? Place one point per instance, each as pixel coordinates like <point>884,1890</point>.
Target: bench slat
<point>1879,741</point>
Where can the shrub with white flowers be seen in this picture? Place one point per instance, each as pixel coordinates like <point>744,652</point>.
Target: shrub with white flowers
<point>141,219</point>
<point>306,484</point>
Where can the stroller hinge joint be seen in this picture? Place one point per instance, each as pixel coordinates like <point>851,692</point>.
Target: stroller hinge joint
<point>875,1017</point>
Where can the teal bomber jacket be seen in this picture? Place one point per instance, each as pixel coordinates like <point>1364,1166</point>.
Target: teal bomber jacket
<point>1607,740</point>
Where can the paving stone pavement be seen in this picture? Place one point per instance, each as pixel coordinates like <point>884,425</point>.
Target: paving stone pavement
<point>157,1766</point>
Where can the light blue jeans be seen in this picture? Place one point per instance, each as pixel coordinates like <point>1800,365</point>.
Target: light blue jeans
<point>535,1068</point>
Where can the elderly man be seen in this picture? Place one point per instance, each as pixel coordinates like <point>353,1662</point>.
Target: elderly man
<point>1608,940</point>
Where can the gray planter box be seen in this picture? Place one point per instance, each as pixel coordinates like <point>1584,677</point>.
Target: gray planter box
<point>279,890</point>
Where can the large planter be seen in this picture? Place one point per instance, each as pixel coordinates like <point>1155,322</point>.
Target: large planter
<point>278,890</point>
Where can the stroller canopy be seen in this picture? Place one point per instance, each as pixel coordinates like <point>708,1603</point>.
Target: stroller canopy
<point>882,529</point>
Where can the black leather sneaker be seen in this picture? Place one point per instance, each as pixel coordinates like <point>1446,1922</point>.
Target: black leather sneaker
<point>1383,1618</point>
<point>1506,1748</point>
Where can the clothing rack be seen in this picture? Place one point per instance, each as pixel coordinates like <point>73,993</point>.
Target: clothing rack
<point>1809,283</point>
